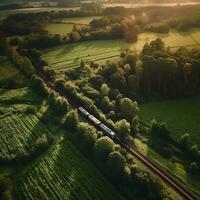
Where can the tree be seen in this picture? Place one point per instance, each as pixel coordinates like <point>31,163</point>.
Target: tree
<point>194,168</point>
<point>116,164</point>
<point>103,147</point>
<point>61,105</point>
<point>131,60</point>
<point>104,90</point>
<point>71,122</point>
<point>128,109</point>
<point>160,130</point>
<point>75,37</point>
<point>106,105</point>
<point>184,142</point>
<point>157,44</point>
<point>135,124</point>
<point>88,135</point>
<point>123,128</point>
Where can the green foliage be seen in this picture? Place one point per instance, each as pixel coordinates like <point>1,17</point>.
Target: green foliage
<point>123,128</point>
<point>71,122</point>
<point>116,164</point>
<point>102,148</point>
<point>28,141</point>
<point>64,163</point>
<point>104,90</point>
<point>39,86</point>
<point>194,168</point>
<point>158,27</point>
<point>87,135</point>
<point>184,142</point>
<point>129,109</point>
<point>160,130</point>
<point>75,37</point>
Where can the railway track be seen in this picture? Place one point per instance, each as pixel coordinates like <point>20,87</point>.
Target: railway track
<point>184,192</point>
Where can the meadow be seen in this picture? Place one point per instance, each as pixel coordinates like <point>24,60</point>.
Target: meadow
<point>70,55</point>
<point>63,173</point>
<point>181,115</point>
<point>65,25</point>
<point>59,28</point>
<point>174,167</point>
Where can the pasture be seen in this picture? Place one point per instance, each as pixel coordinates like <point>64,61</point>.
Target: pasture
<point>63,173</point>
<point>182,116</point>
<point>70,55</point>
<point>59,28</point>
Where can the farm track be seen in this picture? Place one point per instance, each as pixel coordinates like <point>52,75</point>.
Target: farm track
<point>186,194</point>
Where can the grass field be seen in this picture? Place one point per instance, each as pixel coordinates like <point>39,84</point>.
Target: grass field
<point>182,116</point>
<point>9,75</point>
<point>61,29</point>
<point>174,168</point>
<point>63,173</point>
<point>67,56</point>
<point>79,20</point>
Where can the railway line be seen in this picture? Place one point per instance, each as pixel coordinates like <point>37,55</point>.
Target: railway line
<point>179,188</point>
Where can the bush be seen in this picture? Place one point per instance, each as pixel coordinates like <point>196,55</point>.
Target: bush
<point>194,168</point>
<point>39,86</point>
<point>116,164</point>
<point>158,27</point>
<point>160,130</point>
<point>87,135</point>
<point>102,148</point>
<point>71,122</point>
<point>123,129</point>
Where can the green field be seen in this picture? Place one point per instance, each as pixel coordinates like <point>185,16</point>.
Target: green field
<point>79,20</point>
<point>9,74</point>
<point>19,131</point>
<point>61,29</point>
<point>174,168</point>
<point>70,55</point>
<point>63,173</point>
<point>182,116</point>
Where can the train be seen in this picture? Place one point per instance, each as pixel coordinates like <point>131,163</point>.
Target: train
<point>97,123</point>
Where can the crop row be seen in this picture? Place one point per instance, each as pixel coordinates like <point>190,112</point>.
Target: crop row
<point>63,174</point>
<point>19,131</point>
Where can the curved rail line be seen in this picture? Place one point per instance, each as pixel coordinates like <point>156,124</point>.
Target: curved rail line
<point>184,192</point>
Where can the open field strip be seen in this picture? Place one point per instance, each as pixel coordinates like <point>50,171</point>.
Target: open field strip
<point>63,173</point>
<point>79,20</point>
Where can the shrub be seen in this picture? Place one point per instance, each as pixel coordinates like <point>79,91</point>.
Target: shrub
<point>102,148</point>
<point>71,122</point>
<point>116,164</point>
<point>123,129</point>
